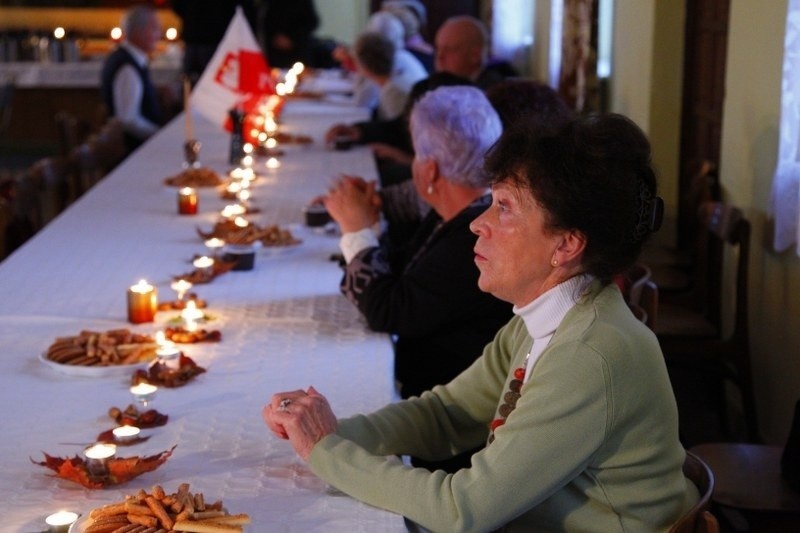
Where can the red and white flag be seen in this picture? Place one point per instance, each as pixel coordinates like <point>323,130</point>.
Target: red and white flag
<point>237,75</point>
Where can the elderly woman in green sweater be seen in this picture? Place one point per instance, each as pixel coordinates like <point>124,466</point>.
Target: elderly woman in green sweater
<point>572,396</point>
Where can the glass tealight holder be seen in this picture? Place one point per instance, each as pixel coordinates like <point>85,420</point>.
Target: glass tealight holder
<point>144,393</point>
<point>125,433</point>
<point>60,521</point>
<point>97,457</point>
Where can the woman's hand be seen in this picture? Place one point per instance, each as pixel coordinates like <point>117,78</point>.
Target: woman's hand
<point>302,417</point>
<point>353,203</point>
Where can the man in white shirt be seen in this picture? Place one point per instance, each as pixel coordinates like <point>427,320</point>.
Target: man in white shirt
<point>127,89</point>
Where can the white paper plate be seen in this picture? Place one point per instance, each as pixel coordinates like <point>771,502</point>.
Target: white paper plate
<point>93,371</point>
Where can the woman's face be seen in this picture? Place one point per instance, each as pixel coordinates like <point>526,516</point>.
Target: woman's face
<point>514,249</point>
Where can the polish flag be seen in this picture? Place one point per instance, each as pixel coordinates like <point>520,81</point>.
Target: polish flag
<point>237,75</point>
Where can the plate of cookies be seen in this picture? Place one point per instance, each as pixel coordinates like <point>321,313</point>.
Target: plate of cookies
<point>114,352</point>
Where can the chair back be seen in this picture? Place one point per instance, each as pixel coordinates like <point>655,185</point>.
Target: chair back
<point>725,226</point>
<point>641,293</point>
<point>46,190</point>
<point>698,519</point>
<point>71,130</point>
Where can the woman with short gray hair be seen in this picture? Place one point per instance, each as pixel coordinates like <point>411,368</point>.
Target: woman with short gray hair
<point>426,293</point>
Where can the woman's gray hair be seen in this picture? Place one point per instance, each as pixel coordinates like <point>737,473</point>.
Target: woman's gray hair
<point>388,25</point>
<point>455,126</point>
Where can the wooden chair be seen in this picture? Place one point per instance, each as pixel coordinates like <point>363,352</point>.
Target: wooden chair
<point>691,332</point>
<point>46,190</point>
<point>699,518</point>
<point>640,293</point>
<point>98,155</point>
<point>673,266</point>
<point>71,131</point>
<point>750,493</point>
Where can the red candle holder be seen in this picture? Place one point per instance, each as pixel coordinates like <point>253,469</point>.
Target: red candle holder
<point>187,201</point>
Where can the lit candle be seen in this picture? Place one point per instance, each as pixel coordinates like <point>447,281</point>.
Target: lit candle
<point>144,393</point>
<point>205,265</point>
<point>270,126</point>
<point>273,163</point>
<point>248,149</point>
<point>232,211</point>
<point>187,201</point>
<point>271,143</point>
<point>236,174</point>
<point>241,222</point>
<point>180,286</point>
<point>125,433</point>
<point>61,521</point>
<point>248,175</point>
<point>190,315</point>
<point>97,457</point>
<point>243,196</point>
<point>247,161</point>
<point>169,355</point>
<point>214,244</point>
<point>142,302</point>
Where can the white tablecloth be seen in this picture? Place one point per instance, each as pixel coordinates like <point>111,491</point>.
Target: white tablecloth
<point>284,326</point>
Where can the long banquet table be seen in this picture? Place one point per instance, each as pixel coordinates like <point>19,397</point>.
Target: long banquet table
<point>284,326</point>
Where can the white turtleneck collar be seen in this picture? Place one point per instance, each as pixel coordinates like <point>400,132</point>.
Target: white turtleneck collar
<point>543,315</point>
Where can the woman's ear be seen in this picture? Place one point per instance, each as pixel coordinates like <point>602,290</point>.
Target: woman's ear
<point>571,247</point>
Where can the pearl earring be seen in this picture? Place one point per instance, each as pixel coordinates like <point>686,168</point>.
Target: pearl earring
<point>554,262</point>
<point>430,189</point>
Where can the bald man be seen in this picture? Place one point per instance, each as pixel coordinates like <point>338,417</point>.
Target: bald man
<point>462,48</point>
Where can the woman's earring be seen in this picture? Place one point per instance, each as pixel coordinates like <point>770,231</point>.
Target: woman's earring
<point>554,262</point>
<point>430,189</point>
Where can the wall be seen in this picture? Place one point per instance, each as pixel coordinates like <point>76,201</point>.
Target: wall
<point>646,79</point>
<point>749,153</point>
<point>341,20</point>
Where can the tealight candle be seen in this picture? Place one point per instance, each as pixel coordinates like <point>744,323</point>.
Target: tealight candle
<point>241,222</point>
<point>125,433</point>
<point>248,175</point>
<point>144,393</point>
<point>190,315</point>
<point>187,201</point>
<point>180,286</point>
<point>142,302</point>
<point>236,173</point>
<point>61,521</point>
<point>243,195</point>
<point>204,264</point>
<point>214,244</point>
<point>232,211</point>
<point>97,457</point>
<point>247,161</point>
<point>273,163</point>
<point>271,143</point>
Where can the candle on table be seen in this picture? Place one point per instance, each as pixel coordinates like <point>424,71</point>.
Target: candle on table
<point>273,163</point>
<point>144,393</point>
<point>205,265</point>
<point>142,302</point>
<point>243,196</point>
<point>214,244</point>
<point>187,201</point>
<point>271,143</point>
<point>181,286</point>
<point>247,161</point>
<point>125,433</point>
<point>61,521</point>
<point>232,211</point>
<point>167,352</point>
<point>97,457</point>
<point>241,222</point>
<point>190,315</point>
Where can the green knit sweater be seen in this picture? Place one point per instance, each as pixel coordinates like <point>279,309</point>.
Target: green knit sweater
<point>591,446</point>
